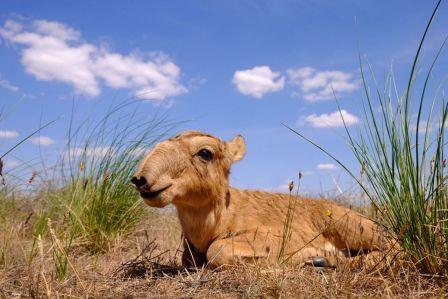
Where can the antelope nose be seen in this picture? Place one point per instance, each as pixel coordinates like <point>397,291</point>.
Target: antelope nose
<point>138,182</point>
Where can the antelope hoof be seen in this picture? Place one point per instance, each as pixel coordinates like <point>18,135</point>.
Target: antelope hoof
<point>318,261</point>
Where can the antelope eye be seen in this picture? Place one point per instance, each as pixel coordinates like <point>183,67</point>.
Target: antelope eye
<point>205,154</point>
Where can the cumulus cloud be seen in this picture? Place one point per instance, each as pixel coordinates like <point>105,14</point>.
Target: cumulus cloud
<point>330,120</point>
<point>283,188</point>
<point>326,166</point>
<point>258,81</point>
<point>425,127</point>
<point>7,85</point>
<point>52,51</point>
<point>8,134</point>
<point>11,163</point>
<point>42,140</point>
<point>139,151</point>
<point>316,85</point>
<point>93,152</point>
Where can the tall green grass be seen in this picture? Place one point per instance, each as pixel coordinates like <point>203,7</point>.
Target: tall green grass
<point>402,154</point>
<point>90,197</point>
<point>85,200</point>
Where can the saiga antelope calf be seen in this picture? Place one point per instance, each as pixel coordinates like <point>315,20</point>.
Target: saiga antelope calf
<point>223,225</point>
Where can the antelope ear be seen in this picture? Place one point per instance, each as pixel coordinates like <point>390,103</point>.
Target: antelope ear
<point>236,148</point>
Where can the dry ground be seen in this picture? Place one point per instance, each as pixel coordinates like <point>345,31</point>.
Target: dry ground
<point>146,264</point>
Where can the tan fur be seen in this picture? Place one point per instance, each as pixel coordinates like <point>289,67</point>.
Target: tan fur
<point>224,225</point>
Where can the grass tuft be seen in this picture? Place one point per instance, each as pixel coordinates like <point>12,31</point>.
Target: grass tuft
<point>96,201</point>
<point>402,156</point>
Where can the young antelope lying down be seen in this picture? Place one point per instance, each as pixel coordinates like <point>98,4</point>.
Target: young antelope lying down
<point>223,225</point>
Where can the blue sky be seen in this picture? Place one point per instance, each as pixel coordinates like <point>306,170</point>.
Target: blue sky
<point>227,67</point>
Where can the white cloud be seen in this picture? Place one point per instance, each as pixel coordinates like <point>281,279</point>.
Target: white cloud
<point>7,85</point>
<point>316,85</point>
<point>139,151</point>
<point>11,163</point>
<point>424,126</point>
<point>330,120</point>
<point>53,51</point>
<point>42,140</point>
<point>283,188</point>
<point>258,81</point>
<point>8,134</point>
<point>95,152</point>
<point>326,166</point>
<point>57,30</point>
<point>102,151</point>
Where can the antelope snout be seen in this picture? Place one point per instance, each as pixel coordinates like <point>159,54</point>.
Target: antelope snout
<point>139,182</point>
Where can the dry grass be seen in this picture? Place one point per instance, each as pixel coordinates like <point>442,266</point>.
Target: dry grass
<point>146,263</point>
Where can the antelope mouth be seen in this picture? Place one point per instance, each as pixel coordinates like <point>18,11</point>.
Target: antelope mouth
<point>153,194</point>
